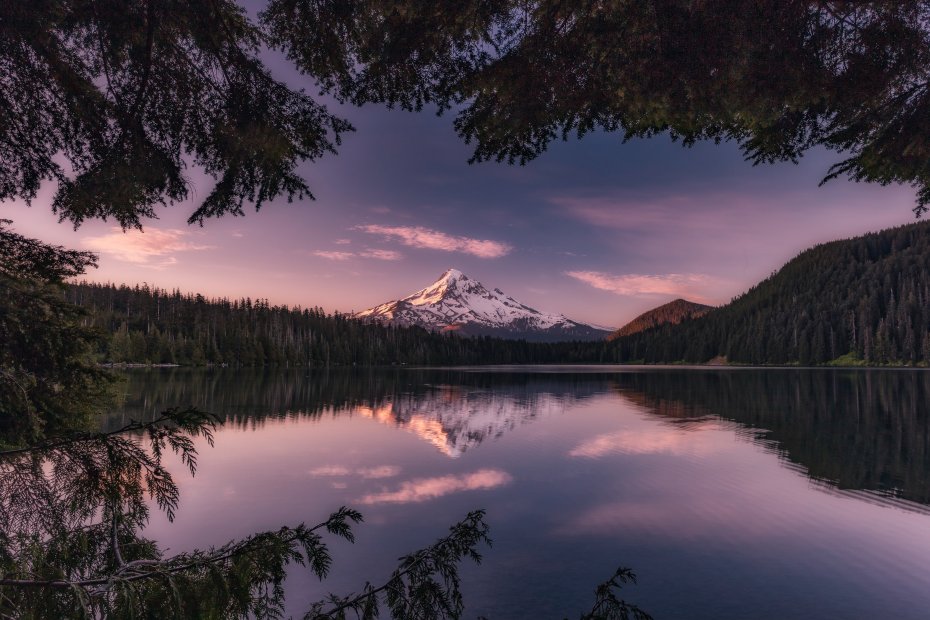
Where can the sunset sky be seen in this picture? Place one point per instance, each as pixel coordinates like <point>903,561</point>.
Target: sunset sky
<point>594,229</point>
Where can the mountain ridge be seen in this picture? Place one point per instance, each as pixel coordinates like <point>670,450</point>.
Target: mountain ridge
<point>458,303</point>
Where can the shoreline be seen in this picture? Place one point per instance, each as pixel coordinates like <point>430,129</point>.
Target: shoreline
<point>586,367</point>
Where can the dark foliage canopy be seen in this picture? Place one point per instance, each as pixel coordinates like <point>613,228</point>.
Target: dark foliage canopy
<point>777,76</point>
<point>48,379</point>
<point>114,100</point>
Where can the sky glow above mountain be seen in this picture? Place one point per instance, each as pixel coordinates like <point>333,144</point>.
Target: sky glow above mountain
<point>594,229</point>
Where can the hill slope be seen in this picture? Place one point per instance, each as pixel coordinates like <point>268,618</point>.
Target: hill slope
<point>866,298</point>
<point>673,312</point>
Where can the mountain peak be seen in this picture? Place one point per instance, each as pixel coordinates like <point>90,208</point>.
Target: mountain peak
<point>458,303</point>
<point>452,274</point>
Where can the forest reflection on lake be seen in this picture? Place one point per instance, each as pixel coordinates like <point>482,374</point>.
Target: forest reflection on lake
<point>732,492</point>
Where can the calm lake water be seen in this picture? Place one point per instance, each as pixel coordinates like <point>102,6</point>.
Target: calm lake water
<point>733,493</point>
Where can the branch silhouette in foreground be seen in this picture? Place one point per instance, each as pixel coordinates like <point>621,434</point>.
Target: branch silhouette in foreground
<point>72,508</point>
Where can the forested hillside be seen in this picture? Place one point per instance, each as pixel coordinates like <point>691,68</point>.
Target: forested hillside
<point>672,313</point>
<point>865,299</point>
<point>149,325</point>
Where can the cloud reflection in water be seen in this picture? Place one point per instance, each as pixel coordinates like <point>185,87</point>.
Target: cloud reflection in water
<point>423,489</point>
<point>646,441</point>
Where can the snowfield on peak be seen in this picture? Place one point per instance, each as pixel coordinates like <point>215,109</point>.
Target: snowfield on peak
<point>457,302</point>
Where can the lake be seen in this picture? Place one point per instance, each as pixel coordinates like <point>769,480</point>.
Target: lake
<point>731,492</point>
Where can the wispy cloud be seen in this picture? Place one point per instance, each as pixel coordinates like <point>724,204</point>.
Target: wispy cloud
<point>710,212</point>
<point>329,470</point>
<point>154,248</point>
<point>333,255</point>
<point>381,471</point>
<point>425,238</point>
<point>368,473</point>
<point>651,441</point>
<point>375,254</point>
<point>342,241</point>
<point>689,285</point>
<point>381,254</point>
<point>423,489</point>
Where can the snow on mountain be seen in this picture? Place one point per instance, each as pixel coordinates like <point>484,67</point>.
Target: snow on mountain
<point>457,302</point>
<point>454,419</point>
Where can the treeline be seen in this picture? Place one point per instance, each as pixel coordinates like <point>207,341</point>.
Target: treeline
<point>859,300</point>
<point>145,325</point>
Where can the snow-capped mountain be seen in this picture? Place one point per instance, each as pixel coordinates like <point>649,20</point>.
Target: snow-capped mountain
<point>455,419</point>
<point>456,302</point>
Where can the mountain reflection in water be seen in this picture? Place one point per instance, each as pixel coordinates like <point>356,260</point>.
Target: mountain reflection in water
<point>848,430</point>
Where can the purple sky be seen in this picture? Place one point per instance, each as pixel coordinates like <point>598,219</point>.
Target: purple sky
<point>595,229</point>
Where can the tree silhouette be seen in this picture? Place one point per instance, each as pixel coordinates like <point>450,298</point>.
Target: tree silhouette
<point>114,100</point>
<point>777,77</point>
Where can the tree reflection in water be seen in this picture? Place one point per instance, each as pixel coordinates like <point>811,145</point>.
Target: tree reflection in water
<point>848,430</point>
<point>851,430</point>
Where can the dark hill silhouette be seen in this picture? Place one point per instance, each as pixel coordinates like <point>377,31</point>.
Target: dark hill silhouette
<point>673,312</point>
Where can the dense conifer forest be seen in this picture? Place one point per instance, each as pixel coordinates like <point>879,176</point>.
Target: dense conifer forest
<point>863,300</point>
<point>143,325</point>
<point>857,301</point>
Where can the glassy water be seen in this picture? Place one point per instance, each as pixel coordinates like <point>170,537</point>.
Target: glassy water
<point>733,493</point>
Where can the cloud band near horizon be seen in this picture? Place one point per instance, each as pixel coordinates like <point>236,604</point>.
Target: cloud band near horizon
<point>692,285</point>
<point>155,248</point>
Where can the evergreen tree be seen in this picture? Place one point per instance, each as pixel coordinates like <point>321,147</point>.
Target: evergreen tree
<point>113,100</point>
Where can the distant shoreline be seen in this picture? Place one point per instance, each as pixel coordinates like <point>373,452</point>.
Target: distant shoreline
<point>590,367</point>
<point>143,365</point>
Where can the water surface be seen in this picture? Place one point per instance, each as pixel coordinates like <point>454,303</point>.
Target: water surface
<point>733,493</point>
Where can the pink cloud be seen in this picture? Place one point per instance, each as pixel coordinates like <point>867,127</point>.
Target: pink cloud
<point>381,254</point>
<point>368,473</point>
<point>689,285</point>
<point>329,470</point>
<point>381,471</point>
<point>425,238</point>
<point>423,489</point>
<point>651,441</point>
<point>333,255</point>
<point>337,255</point>
<point>154,247</point>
